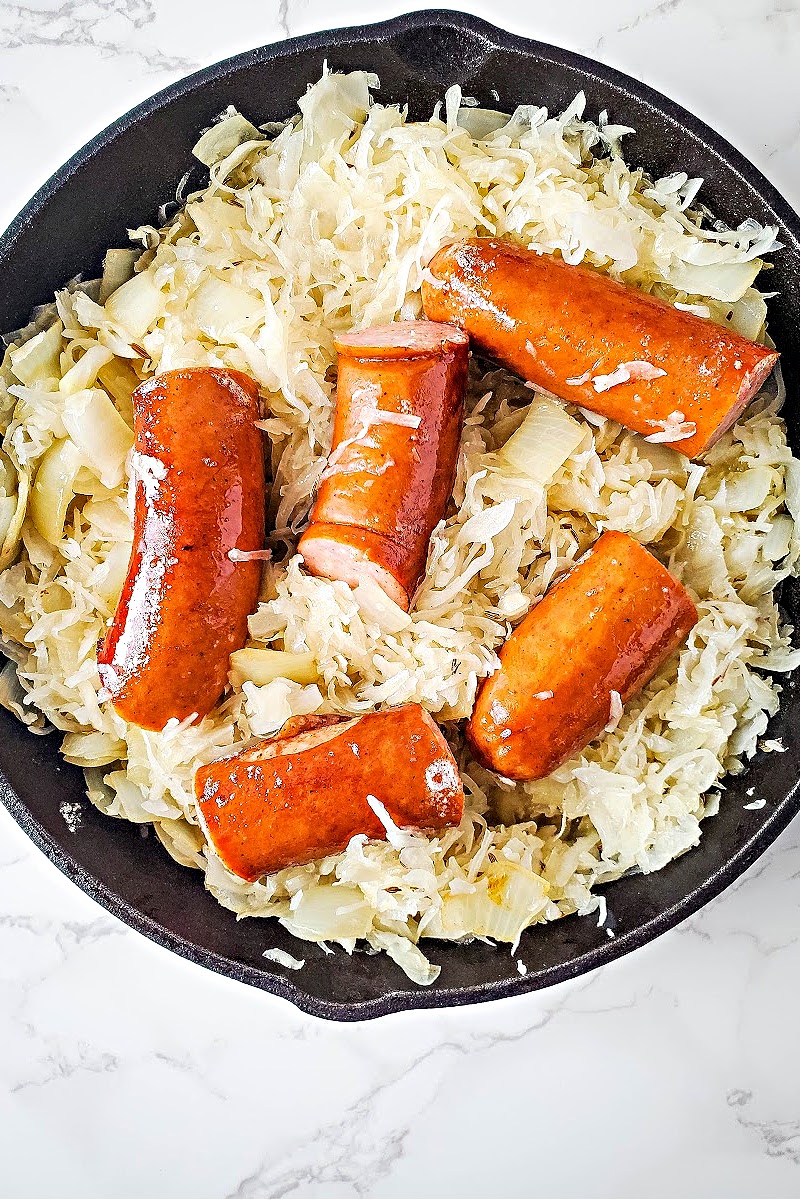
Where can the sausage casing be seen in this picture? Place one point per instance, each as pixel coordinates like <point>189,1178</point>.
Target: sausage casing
<point>302,795</point>
<point>566,328</point>
<point>387,484</point>
<point>605,627</point>
<point>199,493</point>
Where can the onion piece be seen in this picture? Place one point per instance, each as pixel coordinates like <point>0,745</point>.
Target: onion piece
<point>97,429</point>
<point>544,441</point>
<point>334,913</point>
<point>182,841</point>
<point>262,666</point>
<point>54,489</point>
<point>718,281</point>
<point>749,315</point>
<point>8,507</point>
<point>481,122</point>
<point>117,269</point>
<point>84,373</point>
<point>512,900</point>
<point>8,476</point>
<point>38,359</point>
<point>220,308</point>
<point>119,379</point>
<point>10,544</point>
<point>109,585</point>
<point>12,698</point>
<point>95,749</point>
<point>136,305</point>
<point>223,138</point>
<point>374,605</point>
<point>777,543</point>
<point>747,491</point>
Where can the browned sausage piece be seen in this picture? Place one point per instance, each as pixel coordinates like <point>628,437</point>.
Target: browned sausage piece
<point>199,469</point>
<point>399,412</point>
<point>598,343</point>
<point>297,797</point>
<point>593,641</point>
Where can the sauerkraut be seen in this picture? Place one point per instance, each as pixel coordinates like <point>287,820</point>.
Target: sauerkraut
<point>306,232</point>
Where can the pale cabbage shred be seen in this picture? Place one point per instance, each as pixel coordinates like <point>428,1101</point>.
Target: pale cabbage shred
<point>329,226</point>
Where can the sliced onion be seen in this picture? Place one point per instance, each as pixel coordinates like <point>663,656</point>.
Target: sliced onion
<point>184,842</point>
<point>220,308</point>
<point>374,605</point>
<point>223,138</point>
<point>406,954</point>
<point>543,442</point>
<point>748,490</point>
<point>83,374</point>
<point>38,359</point>
<point>87,484</point>
<point>54,489</point>
<point>512,899</point>
<point>778,541</point>
<point>665,463</point>
<point>480,122</point>
<point>719,281</point>
<point>114,570</point>
<point>749,314</point>
<point>120,381</point>
<point>97,429</point>
<point>136,305</point>
<point>262,666</point>
<point>101,794</point>
<point>8,507</point>
<point>117,269</point>
<point>331,913</point>
<point>12,698</point>
<point>10,544</point>
<point>95,749</point>
<point>8,476</point>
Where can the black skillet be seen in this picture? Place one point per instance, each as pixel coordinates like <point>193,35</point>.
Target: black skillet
<point>118,181</point>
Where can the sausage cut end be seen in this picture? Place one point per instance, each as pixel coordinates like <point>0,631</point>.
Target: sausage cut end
<point>401,339</point>
<point>352,554</point>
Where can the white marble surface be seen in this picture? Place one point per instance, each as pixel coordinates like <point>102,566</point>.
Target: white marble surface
<point>125,1071</point>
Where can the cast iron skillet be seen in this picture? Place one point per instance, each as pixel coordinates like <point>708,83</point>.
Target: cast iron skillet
<point>118,181</point>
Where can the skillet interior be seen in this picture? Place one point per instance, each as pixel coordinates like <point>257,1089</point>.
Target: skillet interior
<point>119,180</point>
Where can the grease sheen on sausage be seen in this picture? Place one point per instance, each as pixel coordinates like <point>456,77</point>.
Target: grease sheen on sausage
<point>387,485</point>
<point>606,626</point>
<point>559,326</point>
<point>183,610</point>
<point>303,794</point>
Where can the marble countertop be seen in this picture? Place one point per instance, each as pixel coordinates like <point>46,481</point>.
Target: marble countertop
<point>125,1071</point>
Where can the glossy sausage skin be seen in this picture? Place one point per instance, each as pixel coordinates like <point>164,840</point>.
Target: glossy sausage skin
<point>607,625</point>
<point>199,469</point>
<point>382,494</point>
<point>558,326</point>
<point>302,795</point>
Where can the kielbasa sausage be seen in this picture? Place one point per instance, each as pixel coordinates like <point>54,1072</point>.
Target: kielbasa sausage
<point>399,413</point>
<point>288,800</point>
<point>597,343</point>
<point>199,494</point>
<point>593,641</point>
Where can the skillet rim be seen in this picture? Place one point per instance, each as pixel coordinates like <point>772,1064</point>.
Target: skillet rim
<point>399,999</point>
